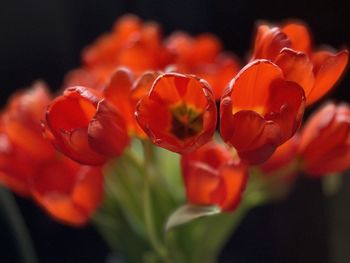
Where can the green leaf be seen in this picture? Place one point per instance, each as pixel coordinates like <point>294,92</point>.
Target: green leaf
<point>187,213</point>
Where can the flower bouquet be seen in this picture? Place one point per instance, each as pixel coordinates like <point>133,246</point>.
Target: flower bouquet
<point>165,143</point>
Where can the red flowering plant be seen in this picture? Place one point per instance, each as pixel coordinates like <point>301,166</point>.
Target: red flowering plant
<point>137,145</point>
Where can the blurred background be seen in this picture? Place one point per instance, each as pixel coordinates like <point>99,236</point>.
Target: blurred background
<point>42,40</point>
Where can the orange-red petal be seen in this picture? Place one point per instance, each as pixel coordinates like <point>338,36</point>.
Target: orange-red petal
<point>16,166</point>
<point>228,194</point>
<point>325,141</point>
<point>68,118</point>
<point>179,113</point>
<point>297,67</point>
<point>260,110</point>
<point>67,191</point>
<point>286,107</point>
<point>328,67</point>
<point>212,177</point>
<point>219,73</point>
<point>299,36</point>
<point>107,131</point>
<point>250,89</point>
<point>269,42</point>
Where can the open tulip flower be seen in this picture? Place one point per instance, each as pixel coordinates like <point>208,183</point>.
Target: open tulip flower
<point>178,113</point>
<point>290,47</point>
<point>132,144</point>
<point>260,110</point>
<point>31,167</point>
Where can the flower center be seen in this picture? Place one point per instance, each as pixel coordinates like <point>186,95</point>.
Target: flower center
<point>187,121</point>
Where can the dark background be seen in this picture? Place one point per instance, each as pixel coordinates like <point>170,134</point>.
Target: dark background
<point>43,39</point>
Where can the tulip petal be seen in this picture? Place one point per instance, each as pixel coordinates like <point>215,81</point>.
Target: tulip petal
<point>201,180</point>
<point>211,153</point>
<point>143,85</point>
<point>299,36</point>
<point>318,120</point>
<point>107,131</point>
<point>219,73</point>
<point>328,67</point>
<point>212,177</point>
<point>269,42</point>
<point>325,141</point>
<point>67,118</point>
<point>68,192</point>
<point>118,89</point>
<point>233,179</point>
<point>260,110</point>
<point>250,89</point>
<point>286,107</point>
<point>297,67</point>
<point>16,166</point>
<point>179,112</point>
<point>254,138</point>
<point>193,51</point>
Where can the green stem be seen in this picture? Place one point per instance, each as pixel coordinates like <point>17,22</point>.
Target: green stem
<point>147,205</point>
<point>18,227</point>
<point>207,249</point>
<point>119,184</point>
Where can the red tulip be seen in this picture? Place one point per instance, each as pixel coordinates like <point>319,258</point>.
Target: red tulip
<point>289,46</point>
<point>194,51</point>
<point>86,127</point>
<point>260,110</point>
<point>213,177</point>
<point>22,145</point>
<point>69,192</point>
<point>203,56</point>
<point>131,44</point>
<point>179,112</point>
<point>30,166</point>
<point>325,141</point>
